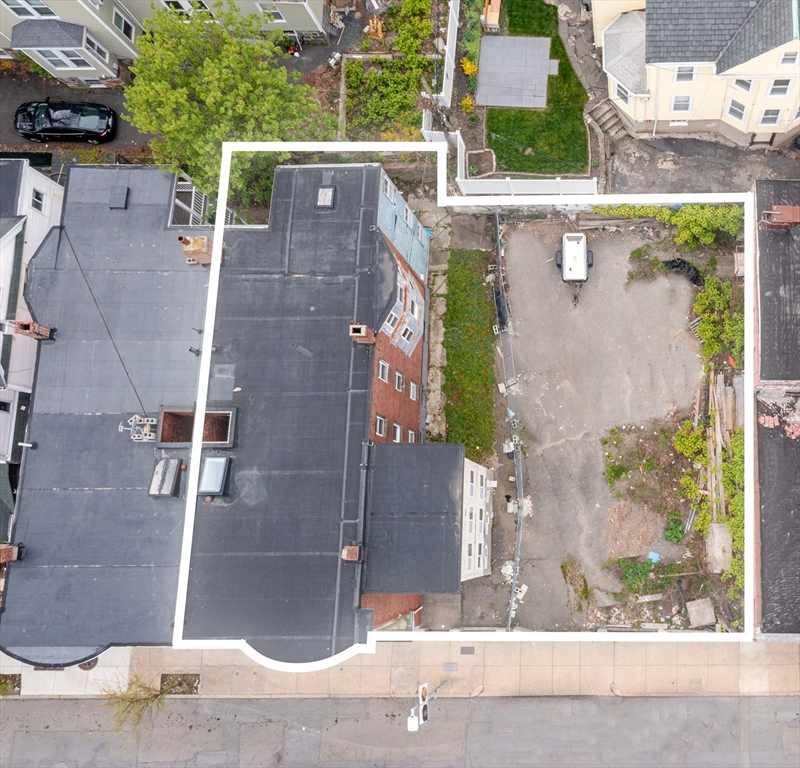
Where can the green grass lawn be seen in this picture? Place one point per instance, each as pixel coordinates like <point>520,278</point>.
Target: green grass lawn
<point>468,338</point>
<point>557,135</point>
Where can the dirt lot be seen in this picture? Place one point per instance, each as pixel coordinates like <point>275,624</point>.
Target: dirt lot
<point>623,356</point>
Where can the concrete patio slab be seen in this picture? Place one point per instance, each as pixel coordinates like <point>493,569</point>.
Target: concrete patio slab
<point>513,72</point>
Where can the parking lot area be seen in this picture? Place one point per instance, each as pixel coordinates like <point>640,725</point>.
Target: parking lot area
<point>622,356</point>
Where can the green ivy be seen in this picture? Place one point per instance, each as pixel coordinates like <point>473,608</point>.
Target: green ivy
<point>721,327</point>
<point>691,442</point>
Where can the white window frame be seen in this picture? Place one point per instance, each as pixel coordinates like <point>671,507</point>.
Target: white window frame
<point>32,11</point>
<point>472,483</point>
<point>777,120</point>
<point>731,112</point>
<point>392,321</point>
<point>674,103</point>
<point>681,73</point>
<point>412,436</point>
<point>743,85</point>
<point>408,217</point>
<point>120,21</point>
<point>480,555</point>
<point>420,232</point>
<point>469,557</point>
<point>60,59</point>
<point>471,520</point>
<point>407,334</point>
<point>412,390</point>
<point>399,381</point>
<point>380,426</point>
<point>623,94</point>
<point>187,6</point>
<point>401,289</point>
<point>383,371</point>
<point>92,45</point>
<point>397,433</point>
<point>480,522</point>
<point>270,9</point>
<point>797,114</point>
<point>782,90</point>
<point>413,308</point>
<point>481,486</point>
<point>789,58</point>
<point>37,200</point>
<point>387,187</point>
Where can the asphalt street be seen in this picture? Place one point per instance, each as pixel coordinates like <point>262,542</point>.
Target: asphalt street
<point>756,732</point>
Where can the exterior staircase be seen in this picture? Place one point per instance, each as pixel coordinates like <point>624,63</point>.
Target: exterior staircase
<point>607,119</point>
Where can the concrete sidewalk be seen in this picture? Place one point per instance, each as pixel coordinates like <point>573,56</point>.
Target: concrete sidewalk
<point>481,669</point>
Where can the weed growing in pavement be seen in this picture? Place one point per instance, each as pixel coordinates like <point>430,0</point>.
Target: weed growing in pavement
<point>634,573</point>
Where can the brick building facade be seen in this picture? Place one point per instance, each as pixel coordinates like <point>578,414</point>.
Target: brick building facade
<point>389,608</point>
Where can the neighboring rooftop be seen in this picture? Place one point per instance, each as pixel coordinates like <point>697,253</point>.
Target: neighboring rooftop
<point>102,557</point>
<point>414,505</point>
<point>10,182</point>
<point>47,33</point>
<point>778,286</point>
<point>266,560</point>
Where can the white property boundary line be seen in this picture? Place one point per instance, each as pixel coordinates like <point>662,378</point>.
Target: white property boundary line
<point>491,202</point>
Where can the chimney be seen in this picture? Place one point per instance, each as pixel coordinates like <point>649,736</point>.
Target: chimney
<point>780,217</point>
<point>361,333</point>
<point>34,330</point>
<point>198,249</point>
<point>351,553</point>
<point>9,552</point>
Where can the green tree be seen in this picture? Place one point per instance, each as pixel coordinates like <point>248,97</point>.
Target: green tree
<point>211,77</point>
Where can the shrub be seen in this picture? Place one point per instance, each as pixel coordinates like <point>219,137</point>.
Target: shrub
<point>634,573</point>
<point>468,66</point>
<point>721,327</point>
<point>467,105</point>
<point>703,517</point>
<point>691,442</point>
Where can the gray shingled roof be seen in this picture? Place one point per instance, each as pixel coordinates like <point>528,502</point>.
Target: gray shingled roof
<point>768,26</point>
<point>46,33</point>
<point>623,51</point>
<point>691,30</point>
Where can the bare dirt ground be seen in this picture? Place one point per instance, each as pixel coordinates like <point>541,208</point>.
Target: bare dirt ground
<point>623,355</point>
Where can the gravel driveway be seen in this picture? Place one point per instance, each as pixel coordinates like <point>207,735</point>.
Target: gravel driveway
<point>624,355</point>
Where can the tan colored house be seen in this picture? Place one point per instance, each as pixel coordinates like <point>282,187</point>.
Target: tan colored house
<point>82,41</point>
<point>686,66</point>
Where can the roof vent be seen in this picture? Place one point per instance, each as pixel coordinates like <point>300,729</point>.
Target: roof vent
<point>118,199</point>
<point>351,553</point>
<point>361,333</point>
<point>326,197</point>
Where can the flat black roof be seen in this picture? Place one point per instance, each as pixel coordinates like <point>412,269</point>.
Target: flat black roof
<point>101,565</point>
<point>266,559</point>
<point>779,286</point>
<point>415,496</point>
<point>779,490</point>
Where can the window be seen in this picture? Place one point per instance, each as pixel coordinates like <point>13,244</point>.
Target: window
<point>770,117</point>
<point>270,9</point>
<point>412,436</point>
<point>685,74</point>
<point>399,381</point>
<point>480,522</point>
<point>407,334</point>
<point>481,489</point>
<point>789,59</point>
<point>4,406</point>
<point>123,25</point>
<point>397,433</point>
<point>392,320</point>
<point>408,217</point>
<point>679,123</point>
<point>744,85</point>
<point>471,520</point>
<point>186,6</point>
<point>681,103</point>
<point>480,554</point>
<point>797,114</point>
<point>401,289</point>
<point>420,233</point>
<point>28,8</point>
<point>387,188</point>
<point>780,87</point>
<point>736,110</point>
<point>37,200</point>
<point>412,390</point>
<point>623,95</point>
<point>472,482</point>
<point>469,557</point>
<point>380,426</point>
<point>383,370</point>
<point>414,308</point>
<point>64,58</point>
<point>96,48</point>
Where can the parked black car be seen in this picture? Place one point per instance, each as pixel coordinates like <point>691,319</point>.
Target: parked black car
<point>62,121</point>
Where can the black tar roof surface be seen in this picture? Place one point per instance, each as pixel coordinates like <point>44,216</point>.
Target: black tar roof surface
<point>102,557</point>
<point>414,518</point>
<point>266,559</point>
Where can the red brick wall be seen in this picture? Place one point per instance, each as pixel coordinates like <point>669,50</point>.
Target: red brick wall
<point>397,407</point>
<point>388,608</point>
